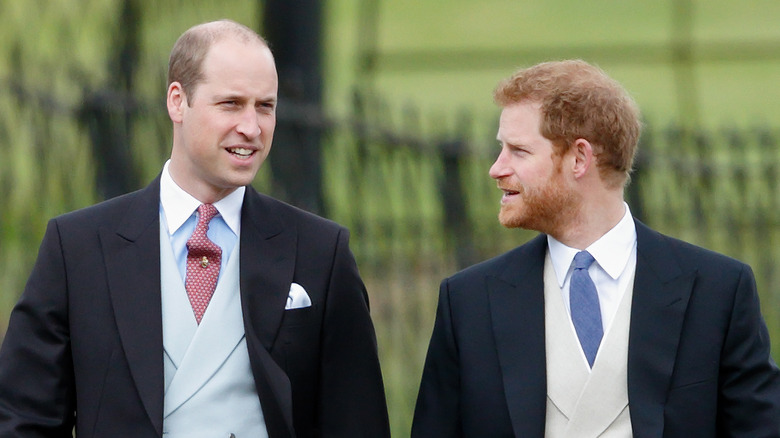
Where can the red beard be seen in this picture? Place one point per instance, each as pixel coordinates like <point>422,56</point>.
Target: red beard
<point>547,209</point>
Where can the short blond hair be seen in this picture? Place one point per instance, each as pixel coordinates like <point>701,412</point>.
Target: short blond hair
<point>185,65</point>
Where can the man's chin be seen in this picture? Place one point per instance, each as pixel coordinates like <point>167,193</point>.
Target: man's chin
<point>515,220</point>
<point>510,220</point>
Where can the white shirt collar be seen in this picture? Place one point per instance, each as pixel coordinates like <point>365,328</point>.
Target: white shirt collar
<point>611,251</point>
<point>178,205</point>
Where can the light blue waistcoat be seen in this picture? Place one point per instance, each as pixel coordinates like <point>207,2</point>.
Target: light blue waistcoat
<point>209,387</point>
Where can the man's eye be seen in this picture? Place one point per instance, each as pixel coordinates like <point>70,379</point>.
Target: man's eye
<point>229,104</point>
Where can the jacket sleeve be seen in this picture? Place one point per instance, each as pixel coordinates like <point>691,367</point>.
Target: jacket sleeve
<point>436,413</point>
<point>36,372</point>
<point>749,395</point>
<point>352,400</point>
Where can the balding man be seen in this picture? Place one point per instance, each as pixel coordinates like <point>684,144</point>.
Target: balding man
<point>197,307</point>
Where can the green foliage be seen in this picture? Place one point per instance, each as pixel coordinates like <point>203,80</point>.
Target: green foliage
<point>386,184</point>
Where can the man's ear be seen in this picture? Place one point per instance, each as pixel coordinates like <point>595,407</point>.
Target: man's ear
<point>583,157</point>
<point>176,102</point>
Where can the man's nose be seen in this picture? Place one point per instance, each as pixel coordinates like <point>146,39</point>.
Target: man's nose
<point>249,124</point>
<point>500,168</point>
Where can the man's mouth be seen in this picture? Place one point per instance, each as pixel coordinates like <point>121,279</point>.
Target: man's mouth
<point>241,152</point>
<point>508,193</point>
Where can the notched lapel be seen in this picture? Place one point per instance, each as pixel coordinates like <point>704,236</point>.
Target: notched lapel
<point>132,256</point>
<point>662,291</point>
<point>267,264</point>
<point>516,299</point>
<point>267,261</point>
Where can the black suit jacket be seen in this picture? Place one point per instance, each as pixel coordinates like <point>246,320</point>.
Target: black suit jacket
<point>698,355</point>
<point>85,338</point>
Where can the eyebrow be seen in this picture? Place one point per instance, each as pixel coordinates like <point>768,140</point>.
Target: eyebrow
<point>268,100</point>
<point>243,98</point>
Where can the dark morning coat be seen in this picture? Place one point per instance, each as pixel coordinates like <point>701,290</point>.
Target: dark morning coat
<point>84,343</point>
<point>699,363</point>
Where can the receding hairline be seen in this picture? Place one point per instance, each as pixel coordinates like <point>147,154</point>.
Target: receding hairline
<point>215,31</point>
<point>188,53</point>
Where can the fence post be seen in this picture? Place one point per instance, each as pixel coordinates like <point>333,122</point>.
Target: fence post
<point>457,224</point>
<point>109,114</point>
<point>634,188</point>
<point>294,31</point>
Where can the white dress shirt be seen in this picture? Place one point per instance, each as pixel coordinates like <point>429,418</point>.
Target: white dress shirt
<point>615,254</point>
<point>178,213</point>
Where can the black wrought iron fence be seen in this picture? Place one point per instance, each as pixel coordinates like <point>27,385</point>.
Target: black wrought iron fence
<point>412,187</point>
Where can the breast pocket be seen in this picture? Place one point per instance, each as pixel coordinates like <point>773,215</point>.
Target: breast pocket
<point>301,337</point>
<point>300,317</point>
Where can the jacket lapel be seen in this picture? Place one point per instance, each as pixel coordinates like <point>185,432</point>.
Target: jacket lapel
<point>516,298</point>
<point>661,294</point>
<point>267,262</point>
<point>132,257</point>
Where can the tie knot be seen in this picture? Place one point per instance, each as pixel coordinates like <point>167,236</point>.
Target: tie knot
<point>199,241</point>
<point>583,260</point>
<point>207,213</point>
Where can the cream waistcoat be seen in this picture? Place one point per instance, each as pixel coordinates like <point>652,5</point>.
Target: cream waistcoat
<point>584,403</point>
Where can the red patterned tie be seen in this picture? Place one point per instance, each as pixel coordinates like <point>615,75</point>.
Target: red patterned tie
<point>204,258</point>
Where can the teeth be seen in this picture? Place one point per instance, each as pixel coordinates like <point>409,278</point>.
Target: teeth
<point>241,151</point>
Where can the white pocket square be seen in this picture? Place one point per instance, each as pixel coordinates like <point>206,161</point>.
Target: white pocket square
<point>298,298</point>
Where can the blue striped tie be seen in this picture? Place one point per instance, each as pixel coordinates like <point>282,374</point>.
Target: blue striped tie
<point>585,311</point>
